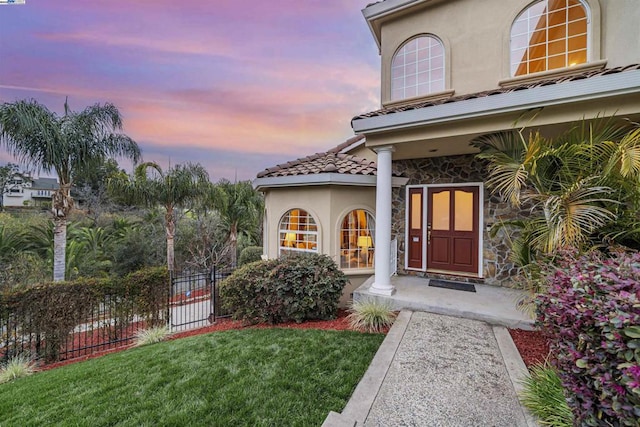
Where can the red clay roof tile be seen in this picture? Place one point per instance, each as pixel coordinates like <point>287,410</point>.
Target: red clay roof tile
<point>332,161</point>
<point>525,86</point>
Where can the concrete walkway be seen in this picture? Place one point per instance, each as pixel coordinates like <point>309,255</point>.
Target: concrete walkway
<point>439,370</point>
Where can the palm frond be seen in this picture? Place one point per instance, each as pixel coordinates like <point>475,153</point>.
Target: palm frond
<point>506,153</point>
<point>624,157</point>
<point>572,216</point>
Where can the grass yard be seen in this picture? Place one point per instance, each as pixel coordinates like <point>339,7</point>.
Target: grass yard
<point>249,377</point>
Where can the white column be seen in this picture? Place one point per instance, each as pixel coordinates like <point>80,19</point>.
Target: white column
<point>382,281</point>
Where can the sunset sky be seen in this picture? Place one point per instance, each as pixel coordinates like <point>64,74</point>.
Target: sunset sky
<point>236,85</point>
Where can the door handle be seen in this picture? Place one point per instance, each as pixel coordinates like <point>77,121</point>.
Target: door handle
<point>428,237</point>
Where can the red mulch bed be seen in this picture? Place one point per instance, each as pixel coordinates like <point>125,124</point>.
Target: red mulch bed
<point>531,344</point>
<point>533,347</point>
<point>338,324</point>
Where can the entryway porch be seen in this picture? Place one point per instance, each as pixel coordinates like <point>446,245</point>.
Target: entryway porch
<point>491,304</point>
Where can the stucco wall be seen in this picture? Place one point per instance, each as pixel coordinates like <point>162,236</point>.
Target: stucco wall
<point>497,269</point>
<point>476,37</point>
<point>328,205</point>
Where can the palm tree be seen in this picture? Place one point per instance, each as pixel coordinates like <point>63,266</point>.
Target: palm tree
<point>576,185</point>
<point>240,208</point>
<point>11,242</point>
<point>64,145</point>
<point>172,189</point>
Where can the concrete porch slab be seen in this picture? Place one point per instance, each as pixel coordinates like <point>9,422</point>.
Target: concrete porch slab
<point>489,304</point>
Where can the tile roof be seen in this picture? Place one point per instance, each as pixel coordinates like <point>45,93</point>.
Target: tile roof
<point>331,161</point>
<point>524,86</point>
<point>45,184</point>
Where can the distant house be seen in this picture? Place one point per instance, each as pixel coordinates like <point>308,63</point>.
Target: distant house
<point>26,191</point>
<point>451,71</point>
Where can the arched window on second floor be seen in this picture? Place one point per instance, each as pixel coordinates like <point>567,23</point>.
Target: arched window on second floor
<point>417,68</point>
<point>548,35</point>
<point>297,232</point>
<point>357,232</point>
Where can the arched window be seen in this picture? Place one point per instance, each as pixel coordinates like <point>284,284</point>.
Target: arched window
<point>298,232</point>
<point>548,35</point>
<point>356,240</point>
<point>417,69</point>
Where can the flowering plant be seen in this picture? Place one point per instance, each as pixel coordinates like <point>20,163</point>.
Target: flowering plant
<point>591,315</point>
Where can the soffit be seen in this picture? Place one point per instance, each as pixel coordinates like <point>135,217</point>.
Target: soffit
<point>504,90</point>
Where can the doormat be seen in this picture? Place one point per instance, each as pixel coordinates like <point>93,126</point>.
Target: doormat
<point>458,286</point>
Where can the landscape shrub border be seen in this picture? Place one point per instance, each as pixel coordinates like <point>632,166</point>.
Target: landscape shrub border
<point>51,311</point>
<point>591,315</point>
<point>294,287</point>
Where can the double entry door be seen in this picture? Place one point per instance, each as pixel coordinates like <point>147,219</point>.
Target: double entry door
<point>444,232</point>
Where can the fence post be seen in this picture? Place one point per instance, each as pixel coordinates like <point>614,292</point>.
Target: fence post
<point>169,297</point>
<point>212,298</point>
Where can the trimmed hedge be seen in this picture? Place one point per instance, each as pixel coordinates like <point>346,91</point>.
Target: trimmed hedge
<point>250,254</point>
<point>591,314</point>
<point>292,288</point>
<point>50,312</point>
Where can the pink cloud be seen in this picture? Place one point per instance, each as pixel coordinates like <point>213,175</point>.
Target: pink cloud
<point>211,46</point>
<point>280,78</point>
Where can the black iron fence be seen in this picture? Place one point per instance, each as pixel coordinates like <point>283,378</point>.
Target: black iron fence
<point>110,323</point>
<point>64,321</point>
<point>195,299</point>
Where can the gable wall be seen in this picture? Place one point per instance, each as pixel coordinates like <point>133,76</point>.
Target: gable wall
<point>476,38</point>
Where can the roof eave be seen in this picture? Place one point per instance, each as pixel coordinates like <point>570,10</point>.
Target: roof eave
<point>359,143</point>
<point>376,11</point>
<point>321,179</point>
<point>606,86</point>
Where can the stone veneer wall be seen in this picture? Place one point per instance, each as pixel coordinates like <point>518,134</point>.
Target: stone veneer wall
<point>498,270</point>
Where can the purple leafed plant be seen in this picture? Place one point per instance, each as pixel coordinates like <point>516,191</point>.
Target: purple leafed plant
<point>591,315</point>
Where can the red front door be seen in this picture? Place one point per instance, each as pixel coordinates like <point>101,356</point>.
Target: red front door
<point>415,228</point>
<point>452,229</point>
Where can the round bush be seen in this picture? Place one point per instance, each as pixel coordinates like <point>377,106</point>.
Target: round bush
<point>292,288</point>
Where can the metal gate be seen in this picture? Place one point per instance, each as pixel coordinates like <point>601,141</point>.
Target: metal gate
<point>194,301</point>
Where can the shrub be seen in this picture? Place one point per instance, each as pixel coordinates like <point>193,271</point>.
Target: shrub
<point>243,293</point>
<point>292,288</point>
<point>152,335</point>
<point>17,367</point>
<point>46,314</point>
<point>371,316</point>
<point>250,254</point>
<point>591,314</point>
<point>22,270</point>
<point>543,396</point>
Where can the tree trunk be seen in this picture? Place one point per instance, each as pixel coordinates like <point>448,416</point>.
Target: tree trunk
<point>61,205</point>
<point>233,243</point>
<point>59,248</point>
<point>171,231</point>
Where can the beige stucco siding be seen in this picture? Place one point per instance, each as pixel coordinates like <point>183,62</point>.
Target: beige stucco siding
<point>328,205</point>
<point>364,152</point>
<point>476,37</point>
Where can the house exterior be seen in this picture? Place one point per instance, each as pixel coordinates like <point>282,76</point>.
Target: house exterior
<point>325,203</point>
<point>452,71</point>
<point>26,191</point>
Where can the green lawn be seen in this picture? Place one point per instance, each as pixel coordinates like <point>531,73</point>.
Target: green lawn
<point>251,377</point>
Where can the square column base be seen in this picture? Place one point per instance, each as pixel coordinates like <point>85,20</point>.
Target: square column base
<point>382,291</point>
